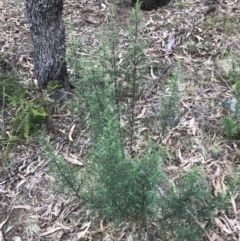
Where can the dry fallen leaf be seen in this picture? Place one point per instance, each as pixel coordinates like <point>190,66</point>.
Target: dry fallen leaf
<point>15,238</point>
<point>193,126</point>
<point>49,231</point>
<point>130,237</point>
<point>86,227</point>
<point>27,207</point>
<point>3,222</point>
<point>154,77</point>
<point>1,236</point>
<point>71,132</point>
<point>73,160</point>
<point>234,205</point>
<point>171,41</point>
<point>216,237</point>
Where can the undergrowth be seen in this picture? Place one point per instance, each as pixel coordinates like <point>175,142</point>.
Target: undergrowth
<point>121,180</point>
<point>28,111</point>
<point>232,122</point>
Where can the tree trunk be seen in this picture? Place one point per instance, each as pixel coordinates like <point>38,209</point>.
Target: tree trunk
<point>48,35</point>
<point>151,4</point>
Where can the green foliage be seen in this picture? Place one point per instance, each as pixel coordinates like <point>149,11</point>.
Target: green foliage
<point>232,181</point>
<point>28,110</point>
<point>94,79</point>
<point>231,126</point>
<point>125,187</point>
<point>236,92</point>
<point>169,109</point>
<point>192,47</point>
<point>234,73</point>
<point>133,62</point>
<point>181,4</point>
<point>104,83</point>
<point>29,117</point>
<point>187,205</point>
<point>116,182</point>
<point>66,175</point>
<point>52,85</point>
<point>117,186</point>
<point>9,86</point>
<point>231,123</point>
<point>229,22</point>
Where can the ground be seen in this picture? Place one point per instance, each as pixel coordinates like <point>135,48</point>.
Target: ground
<point>202,36</point>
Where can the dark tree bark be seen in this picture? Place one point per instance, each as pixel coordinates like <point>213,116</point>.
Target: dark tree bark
<point>48,35</point>
<point>151,4</point>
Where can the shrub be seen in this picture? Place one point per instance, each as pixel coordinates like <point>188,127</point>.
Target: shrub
<point>28,111</point>
<point>116,181</point>
<point>188,206</point>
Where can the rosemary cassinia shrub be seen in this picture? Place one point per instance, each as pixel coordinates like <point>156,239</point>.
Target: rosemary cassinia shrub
<point>116,181</point>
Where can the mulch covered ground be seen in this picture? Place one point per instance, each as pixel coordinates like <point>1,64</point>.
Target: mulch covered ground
<point>202,37</point>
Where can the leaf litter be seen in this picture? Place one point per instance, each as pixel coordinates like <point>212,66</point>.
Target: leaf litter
<point>198,35</point>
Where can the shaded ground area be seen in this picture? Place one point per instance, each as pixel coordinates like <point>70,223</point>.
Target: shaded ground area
<point>202,37</point>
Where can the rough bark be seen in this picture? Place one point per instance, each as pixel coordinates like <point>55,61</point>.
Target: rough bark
<point>151,4</point>
<point>48,35</point>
